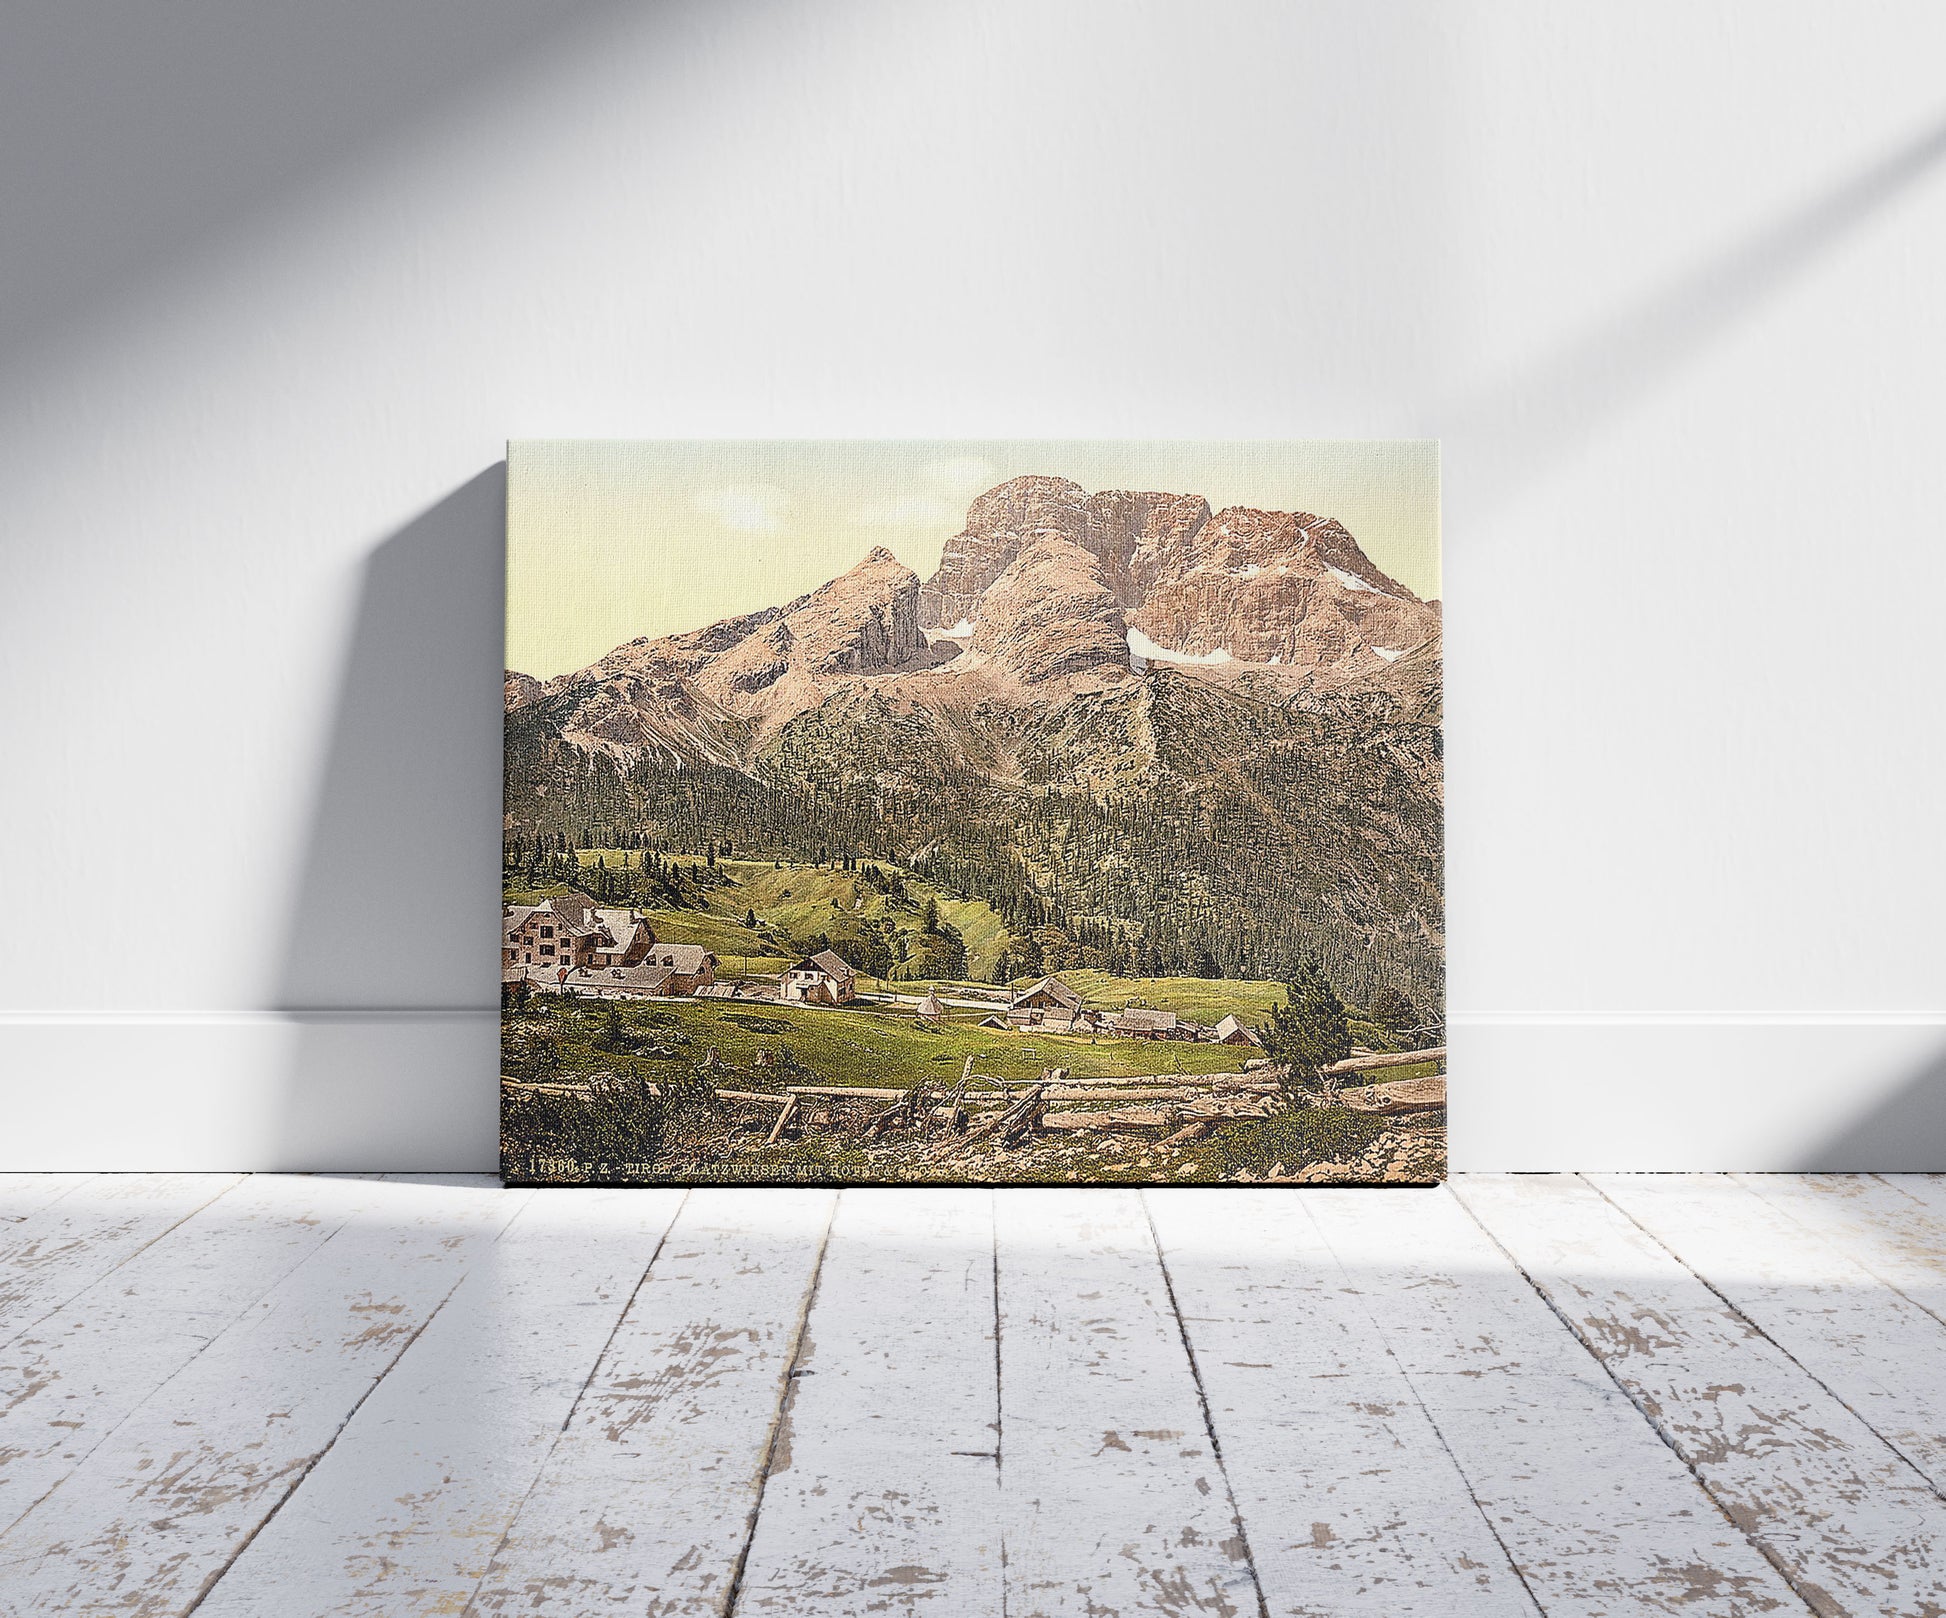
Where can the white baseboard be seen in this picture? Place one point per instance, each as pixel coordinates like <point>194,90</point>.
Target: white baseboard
<point>378,1090</point>
<point>1797,1092</point>
<point>249,1090</point>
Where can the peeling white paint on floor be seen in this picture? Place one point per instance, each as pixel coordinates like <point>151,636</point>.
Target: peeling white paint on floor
<point>1697,1394</point>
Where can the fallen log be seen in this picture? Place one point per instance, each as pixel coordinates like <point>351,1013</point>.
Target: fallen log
<point>1142,1080</point>
<point>587,1086</point>
<point>1026,1117</point>
<point>1406,1095</point>
<point>1174,1092</point>
<point>1119,1118</point>
<point>956,1102</point>
<point>777,1129</point>
<point>1362,1064</point>
<point>858,1091</point>
<point>913,1105</point>
<point>1014,1124</point>
<point>1234,1109</point>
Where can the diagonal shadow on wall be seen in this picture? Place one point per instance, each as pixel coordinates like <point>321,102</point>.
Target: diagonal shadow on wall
<point>1508,436</point>
<point>1905,1133</point>
<point>390,968</point>
<point>139,141</point>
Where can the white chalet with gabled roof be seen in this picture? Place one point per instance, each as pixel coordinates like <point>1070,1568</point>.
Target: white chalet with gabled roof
<point>823,979</point>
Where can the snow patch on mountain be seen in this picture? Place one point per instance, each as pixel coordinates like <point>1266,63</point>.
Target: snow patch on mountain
<point>963,630</point>
<point>1351,581</point>
<point>1142,651</point>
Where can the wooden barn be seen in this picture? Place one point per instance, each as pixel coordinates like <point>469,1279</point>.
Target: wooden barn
<point>1231,1032</point>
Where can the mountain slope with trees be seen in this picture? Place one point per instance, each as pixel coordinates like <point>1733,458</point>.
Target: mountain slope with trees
<point>1156,740</point>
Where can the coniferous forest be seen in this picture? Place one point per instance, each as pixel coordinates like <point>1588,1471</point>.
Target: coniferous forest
<point>1316,838</point>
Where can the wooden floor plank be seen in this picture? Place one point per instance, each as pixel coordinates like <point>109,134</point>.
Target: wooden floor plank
<point>1350,1501</point>
<point>1352,1401</point>
<point>60,1249</point>
<point>1853,1525</point>
<point>883,1496</point>
<point>645,1504</point>
<point>1874,1349</point>
<point>71,1379</point>
<point>403,1514</point>
<point>1597,1513</point>
<point>1927,1189</point>
<point>1894,1224</point>
<point>23,1194</point>
<point>1113,1499</point>
<point>155,1513</point>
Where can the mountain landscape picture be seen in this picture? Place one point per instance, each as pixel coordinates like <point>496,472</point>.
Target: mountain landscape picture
<point>997,812</point>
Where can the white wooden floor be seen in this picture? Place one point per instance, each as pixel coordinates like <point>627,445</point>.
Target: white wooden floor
<point>1603,1395</point>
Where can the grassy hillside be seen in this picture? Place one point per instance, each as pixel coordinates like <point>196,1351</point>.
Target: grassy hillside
<point>1207,1000</point>
<point>877,1048</point>
<point>800,901</point>
<point>794,903</point>
<point>1204,1000</point>
<point>797,903</point>
<point>735,945</point>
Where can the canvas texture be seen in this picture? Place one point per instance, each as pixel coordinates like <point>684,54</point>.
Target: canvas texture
<point>996,812</point>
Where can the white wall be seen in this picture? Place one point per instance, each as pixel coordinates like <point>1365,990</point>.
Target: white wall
<point>279,282</point>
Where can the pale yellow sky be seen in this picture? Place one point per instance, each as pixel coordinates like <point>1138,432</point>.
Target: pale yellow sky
<point>608,540</point>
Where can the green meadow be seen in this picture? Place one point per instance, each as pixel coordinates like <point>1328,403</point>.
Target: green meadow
<point>855,1047</point>
<point>796,903</point>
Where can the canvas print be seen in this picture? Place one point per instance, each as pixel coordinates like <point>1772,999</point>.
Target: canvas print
<point>997,812</point>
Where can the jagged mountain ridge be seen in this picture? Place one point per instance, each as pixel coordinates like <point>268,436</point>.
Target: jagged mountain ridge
<point>1047,593</point>
<point>1253,670</point>
<point>1283,588</point>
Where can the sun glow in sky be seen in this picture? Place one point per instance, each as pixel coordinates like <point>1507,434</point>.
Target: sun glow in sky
<point>608,540</point>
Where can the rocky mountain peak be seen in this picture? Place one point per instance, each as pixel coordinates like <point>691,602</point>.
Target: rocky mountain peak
<point>1050,593</point>
<point>1239,585</point>
<point>1000,524</point>
<point>1051,616</point>
<point>1137,534</point>
<point>521,689</point>
<point>865,621</point>
<point>1028,505</point>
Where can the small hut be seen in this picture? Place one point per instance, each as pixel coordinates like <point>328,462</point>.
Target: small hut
<point>1049,994</point>
<point>1231,1032</point>
<point>1139,1022</point>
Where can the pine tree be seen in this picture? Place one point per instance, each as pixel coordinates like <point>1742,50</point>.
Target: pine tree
<point>750,919</point>
<point>1029,962</point>
<point>1310,1031</point>
<point>614,1032</point>
<point>1392,1011</point>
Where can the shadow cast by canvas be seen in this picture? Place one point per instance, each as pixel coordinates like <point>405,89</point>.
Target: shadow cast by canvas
<point>390,951</point>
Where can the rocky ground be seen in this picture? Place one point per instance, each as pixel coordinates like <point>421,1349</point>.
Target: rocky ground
<point>1412,1152</point>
